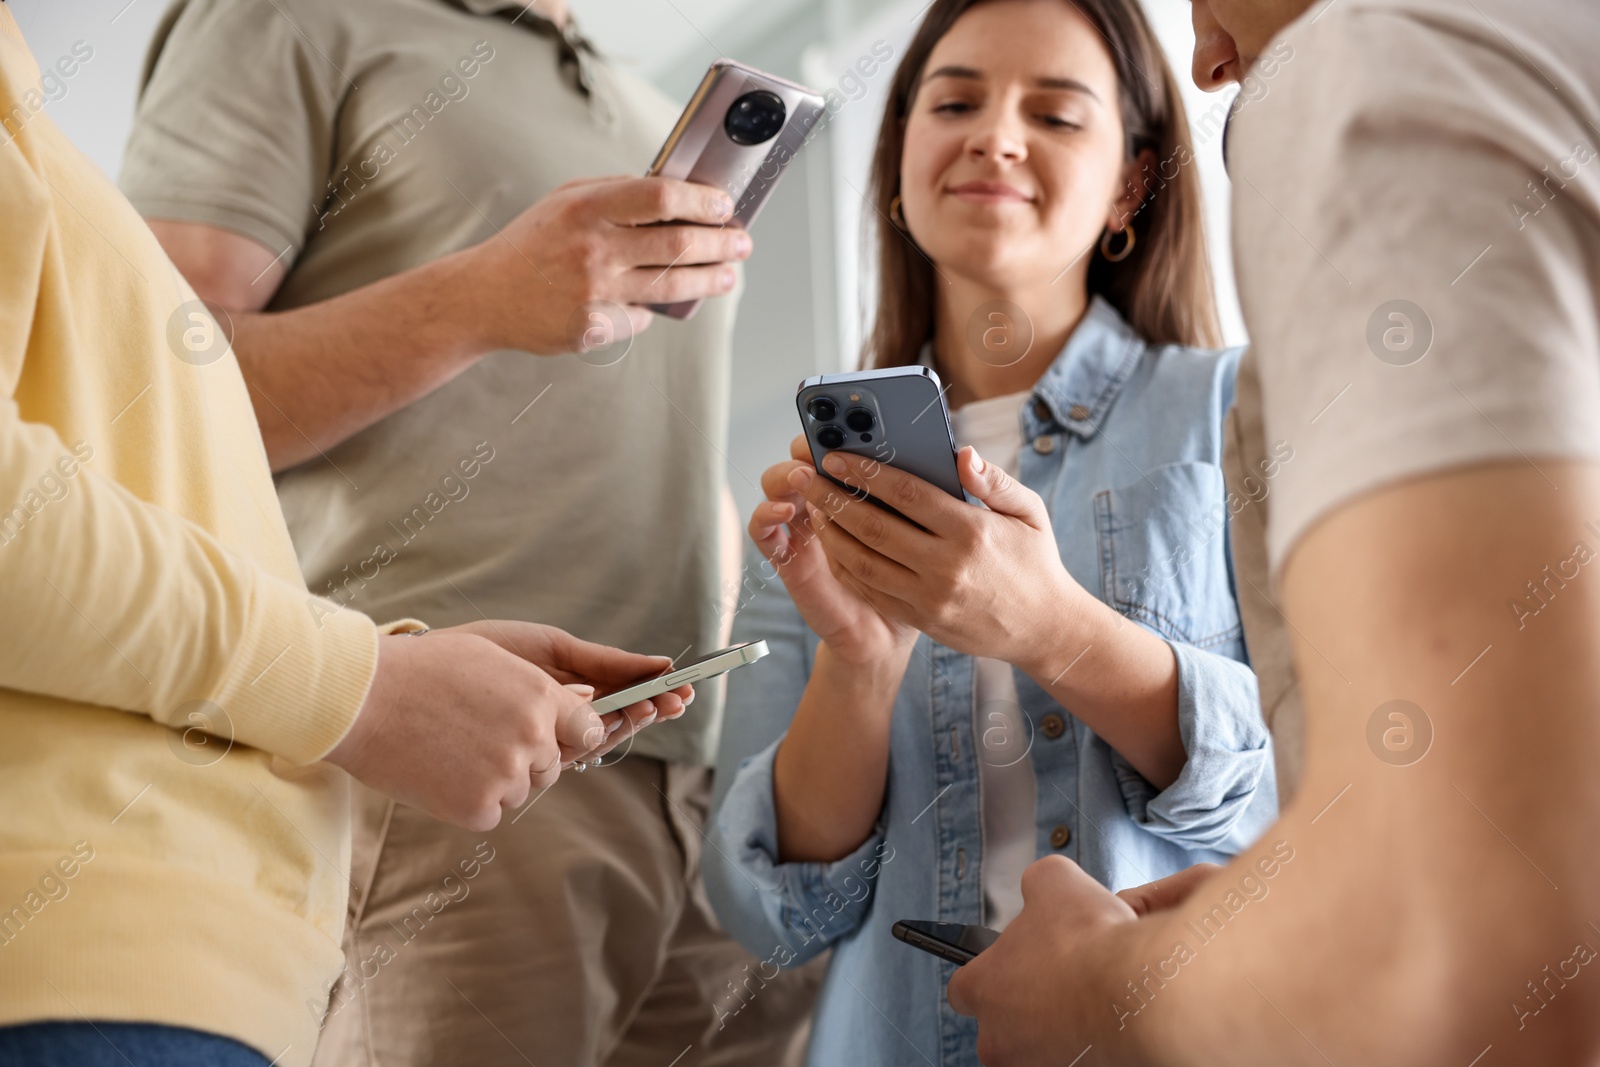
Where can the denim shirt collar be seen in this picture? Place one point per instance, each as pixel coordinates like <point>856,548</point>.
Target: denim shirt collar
<point>1084,379</point>
<point>1094,364</point>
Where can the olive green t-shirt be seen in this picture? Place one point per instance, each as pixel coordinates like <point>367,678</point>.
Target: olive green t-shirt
<point>366,137</point>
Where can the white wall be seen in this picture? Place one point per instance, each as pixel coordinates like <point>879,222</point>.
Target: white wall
<point>95,105</point>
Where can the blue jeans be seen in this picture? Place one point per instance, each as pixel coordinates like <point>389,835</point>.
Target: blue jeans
<point>119,1044</point>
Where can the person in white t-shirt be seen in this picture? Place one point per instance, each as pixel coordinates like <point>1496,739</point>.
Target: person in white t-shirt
<point>1061,672</point>
<point>1417,238</point>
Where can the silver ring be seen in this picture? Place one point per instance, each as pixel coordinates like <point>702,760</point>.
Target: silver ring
<point>596,761</point>
<point>580,766</point>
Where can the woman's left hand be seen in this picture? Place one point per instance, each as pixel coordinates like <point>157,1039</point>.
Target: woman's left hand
<point>982,582</point>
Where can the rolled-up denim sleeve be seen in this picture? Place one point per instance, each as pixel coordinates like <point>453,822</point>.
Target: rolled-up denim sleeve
<point>764,904</point>
<point>1226,795</point>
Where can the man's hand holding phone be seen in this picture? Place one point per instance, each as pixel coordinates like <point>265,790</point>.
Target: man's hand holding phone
<point>464,723</point>
<point>617,240</point>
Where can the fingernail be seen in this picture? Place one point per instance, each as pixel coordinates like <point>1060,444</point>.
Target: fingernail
<point>595,734</point>
<point>585,691</point>
<point>690,699</point>
<point>977,462</point>
<point>646,721</point>
<point>783,511</point>
<point>721,206</point>
<point>742,245</point>
<point>833,463</point>
<point>615,726</point>
<point>726,280</point>
<point>800,477</point>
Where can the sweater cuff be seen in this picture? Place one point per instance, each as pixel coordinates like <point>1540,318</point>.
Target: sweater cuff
<point>301,672</point>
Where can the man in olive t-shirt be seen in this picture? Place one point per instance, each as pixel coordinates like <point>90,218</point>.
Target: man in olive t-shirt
<point>353,183</point>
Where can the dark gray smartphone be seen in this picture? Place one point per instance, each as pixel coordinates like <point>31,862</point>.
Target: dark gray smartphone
<point>739,131</point>
<point>957,942</point>
<point>896,416</point>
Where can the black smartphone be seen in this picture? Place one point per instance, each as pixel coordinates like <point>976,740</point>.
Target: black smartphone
<point>957,942</point>
<point>896,416</point>
<point>741,128</point>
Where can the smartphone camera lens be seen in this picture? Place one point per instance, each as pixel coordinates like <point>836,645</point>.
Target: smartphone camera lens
<point>830,437</point>
<point>754,117</point>
<point>822,408</point>
<point>859,419</point>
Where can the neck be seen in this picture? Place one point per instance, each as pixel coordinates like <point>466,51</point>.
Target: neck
<point>975,349</point>
<point>554,10</point>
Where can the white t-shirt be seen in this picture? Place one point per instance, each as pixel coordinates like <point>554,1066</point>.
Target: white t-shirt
<point>1006,786</point>
<point>1416,206</point>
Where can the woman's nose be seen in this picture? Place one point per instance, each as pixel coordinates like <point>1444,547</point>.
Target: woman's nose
<point>1216,56</point>
<point>1000,138</point>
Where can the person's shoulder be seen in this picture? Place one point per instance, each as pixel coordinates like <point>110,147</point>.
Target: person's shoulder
<point>1341,63</point>
<point>1188,379</point>
<point>312,22</point>
<point>1195,363</point>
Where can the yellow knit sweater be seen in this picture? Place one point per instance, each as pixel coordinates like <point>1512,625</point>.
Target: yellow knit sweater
<point>151,873</point>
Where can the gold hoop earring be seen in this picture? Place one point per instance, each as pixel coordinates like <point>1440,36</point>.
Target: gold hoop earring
<point>896,216</point>
<point>1127,247</point>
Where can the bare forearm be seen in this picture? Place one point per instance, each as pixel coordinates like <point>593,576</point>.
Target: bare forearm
<point>321,373</point>
<point>1442,885</point>
<point>1353,951</point>
<point>832,768</point>
<point>1120,680</point>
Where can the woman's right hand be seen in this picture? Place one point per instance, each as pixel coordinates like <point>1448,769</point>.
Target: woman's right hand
<point>781,527</point>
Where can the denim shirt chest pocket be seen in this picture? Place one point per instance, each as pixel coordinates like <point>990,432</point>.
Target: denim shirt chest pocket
<point>1163,559</point>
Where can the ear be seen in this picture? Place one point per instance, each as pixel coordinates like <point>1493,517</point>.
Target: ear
<point>1136,181</point>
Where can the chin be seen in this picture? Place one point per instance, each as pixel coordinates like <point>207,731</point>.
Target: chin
<point>991,259</point>
<point>976,248</point>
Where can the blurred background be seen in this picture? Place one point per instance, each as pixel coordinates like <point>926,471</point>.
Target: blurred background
<point>808,286</point>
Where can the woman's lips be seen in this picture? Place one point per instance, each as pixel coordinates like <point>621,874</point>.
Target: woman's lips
<point>988,193</point>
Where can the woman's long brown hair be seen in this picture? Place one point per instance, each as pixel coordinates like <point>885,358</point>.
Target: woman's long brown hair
<point>1163,289</point>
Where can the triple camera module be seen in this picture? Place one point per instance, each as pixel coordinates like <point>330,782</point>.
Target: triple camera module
<point>858,420</point>
<point>754,117</point>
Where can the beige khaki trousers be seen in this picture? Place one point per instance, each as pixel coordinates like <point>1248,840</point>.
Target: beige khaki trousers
<point>575,934</point>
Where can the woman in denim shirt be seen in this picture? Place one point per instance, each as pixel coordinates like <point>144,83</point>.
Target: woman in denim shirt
<point>1062,672</point>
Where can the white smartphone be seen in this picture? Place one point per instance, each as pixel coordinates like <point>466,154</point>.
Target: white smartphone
<point>717,663</point>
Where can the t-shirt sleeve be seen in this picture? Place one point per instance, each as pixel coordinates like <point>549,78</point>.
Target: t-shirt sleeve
<point>1415,235</point>
<point>235,122</point>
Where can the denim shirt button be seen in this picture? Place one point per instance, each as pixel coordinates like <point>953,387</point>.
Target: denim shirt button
<point>1059,837</point>
<point>1052,726</point>
<point>1078,412</point>
<point>1044,444</point>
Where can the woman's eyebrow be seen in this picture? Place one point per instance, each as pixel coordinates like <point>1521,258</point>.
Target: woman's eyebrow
<point>1047,82</point>
<point>1069,84</point>
<point>947,71</point>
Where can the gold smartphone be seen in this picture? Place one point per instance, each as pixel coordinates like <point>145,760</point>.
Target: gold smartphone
<point>739,131</point>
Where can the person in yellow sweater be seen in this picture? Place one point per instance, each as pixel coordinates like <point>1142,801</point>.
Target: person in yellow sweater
<point>175,707</point>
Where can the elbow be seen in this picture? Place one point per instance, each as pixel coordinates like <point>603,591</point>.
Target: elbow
<point>1218,805</point>
<point>737,905</point>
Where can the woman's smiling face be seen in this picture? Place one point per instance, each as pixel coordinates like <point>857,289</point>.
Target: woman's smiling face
<point>1014,157</point>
